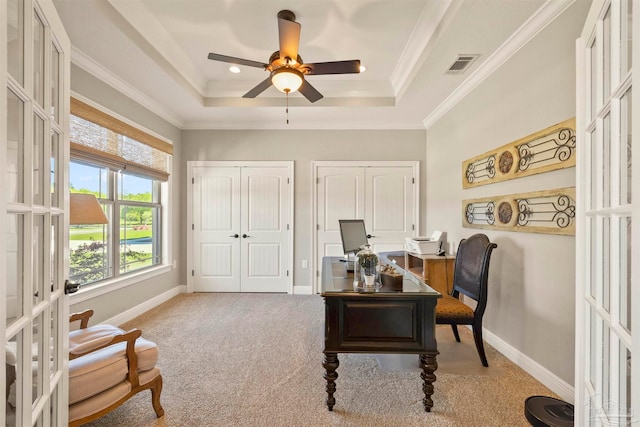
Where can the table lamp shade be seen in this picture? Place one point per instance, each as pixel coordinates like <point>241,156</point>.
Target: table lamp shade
<point>85,209</point>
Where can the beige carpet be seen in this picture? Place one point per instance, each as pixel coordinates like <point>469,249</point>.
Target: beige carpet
<point>256,360</point>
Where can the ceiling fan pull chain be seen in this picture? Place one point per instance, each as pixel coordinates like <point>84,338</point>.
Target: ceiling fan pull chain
<point>287,109</point>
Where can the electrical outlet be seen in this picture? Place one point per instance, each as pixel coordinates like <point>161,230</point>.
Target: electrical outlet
<point>305,264</point>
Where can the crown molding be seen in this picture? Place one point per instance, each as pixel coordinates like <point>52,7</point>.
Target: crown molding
<point>547,13</point>
<point>416,49</point>
<point>83,61</point>
<point>151,30</point>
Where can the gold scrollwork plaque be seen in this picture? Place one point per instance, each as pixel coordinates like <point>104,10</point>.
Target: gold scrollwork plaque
<point>549,212</point>
<point>549,149</point>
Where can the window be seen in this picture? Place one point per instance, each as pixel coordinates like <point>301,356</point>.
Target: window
<point>126,176</point>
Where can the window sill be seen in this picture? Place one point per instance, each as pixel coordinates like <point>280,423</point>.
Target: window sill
<point>111,285</point>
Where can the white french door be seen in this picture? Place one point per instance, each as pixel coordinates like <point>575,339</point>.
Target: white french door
<point>608,232</point>
<point>33,159</point>
<point>383,194</point>
<point>241,229</point>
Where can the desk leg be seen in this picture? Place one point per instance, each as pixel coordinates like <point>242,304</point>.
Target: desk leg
<point>429,365</point>
<point>331,363</point>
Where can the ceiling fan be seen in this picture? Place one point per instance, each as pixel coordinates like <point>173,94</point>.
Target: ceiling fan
<point>287,70</point>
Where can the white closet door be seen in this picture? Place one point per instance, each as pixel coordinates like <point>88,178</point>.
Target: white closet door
<point>383,194</point>
<point>264,229</point>
<point>390,206</point>
<point>216,229</point>
<point>340,195</point>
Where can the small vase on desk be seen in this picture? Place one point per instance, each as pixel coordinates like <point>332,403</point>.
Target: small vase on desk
<point>366,270</point>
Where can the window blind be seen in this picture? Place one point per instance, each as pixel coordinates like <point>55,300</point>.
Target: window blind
<point>99,138</point>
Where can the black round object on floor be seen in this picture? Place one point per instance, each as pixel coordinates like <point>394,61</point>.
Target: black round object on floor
<point>543,411</point>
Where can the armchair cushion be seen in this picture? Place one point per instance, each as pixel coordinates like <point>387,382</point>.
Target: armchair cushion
<point>96,372</point>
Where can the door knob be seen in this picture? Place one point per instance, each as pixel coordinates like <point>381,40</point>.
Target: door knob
<point>244,236</point>
<point>235,235</point>
<point>369,236</point>
<point>71,288</point>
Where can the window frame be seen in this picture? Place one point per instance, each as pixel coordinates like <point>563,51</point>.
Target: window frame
<point>165,265</point>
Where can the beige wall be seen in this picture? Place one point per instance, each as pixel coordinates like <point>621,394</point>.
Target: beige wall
<point>117,302</point>
<point>302,146</point>
<point>531,291</point>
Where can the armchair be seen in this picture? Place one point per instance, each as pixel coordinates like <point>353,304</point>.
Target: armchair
<point>470,277</point>
<point>106,367</point>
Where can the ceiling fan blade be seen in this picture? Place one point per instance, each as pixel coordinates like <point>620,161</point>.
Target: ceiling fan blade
<point>289,35</point>
<point>239,61</point>
<point>310,92</point>
<point>262,86</point>
<point>335,67</point>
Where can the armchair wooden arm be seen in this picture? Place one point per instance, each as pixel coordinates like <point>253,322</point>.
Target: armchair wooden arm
<point>83,317</point>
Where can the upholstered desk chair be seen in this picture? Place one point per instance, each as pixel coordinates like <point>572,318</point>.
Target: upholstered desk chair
<point>106,367</point>
<point>470,276</point>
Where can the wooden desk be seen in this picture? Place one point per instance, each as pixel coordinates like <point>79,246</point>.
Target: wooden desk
<point>383,321</point>
<point>435,270</point>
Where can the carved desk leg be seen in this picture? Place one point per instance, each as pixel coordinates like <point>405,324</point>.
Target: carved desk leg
<point>429,365</point>
<point>331,364</point>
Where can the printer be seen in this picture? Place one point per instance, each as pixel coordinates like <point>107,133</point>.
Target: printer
<point>425,245</point>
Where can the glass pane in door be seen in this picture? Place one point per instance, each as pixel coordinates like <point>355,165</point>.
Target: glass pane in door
<point>55,84</point>
<point>625,385</point>
<point>15,267</point>
<point>606,366</point>
<point>625,274</point>
<point>38,59</point>
<point>54,167</point>
<point>37,352</point>
<point>626,53</point>
<point>607,58</point>
<point>593,64</point>
<point>593,165</point>
<point>605,240</point>
<point>38,267</point>
<point>15,148</point>
<point>38,160</point>
<point>606,161</point>
<point>625,148</point>
<point>15,39</point>
<point>54,362</point>
<point>55,252</point>
<point>14,374</point>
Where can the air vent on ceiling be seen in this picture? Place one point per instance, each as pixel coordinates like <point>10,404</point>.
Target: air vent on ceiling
<point>461,63</point>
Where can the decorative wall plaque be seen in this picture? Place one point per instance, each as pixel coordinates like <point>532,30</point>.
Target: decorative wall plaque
<point>549,149</point>
<point>549,212</point>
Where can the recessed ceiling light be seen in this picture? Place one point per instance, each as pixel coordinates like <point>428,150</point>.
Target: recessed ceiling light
<point>234,69</point>
<point>363,68</point>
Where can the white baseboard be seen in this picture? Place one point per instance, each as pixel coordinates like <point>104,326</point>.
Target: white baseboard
<point>145,306</point>
<point>548,379</point>
<point>302,290</point>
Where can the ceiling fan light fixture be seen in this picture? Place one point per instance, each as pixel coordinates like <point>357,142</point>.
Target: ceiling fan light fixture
<point>286,79</point>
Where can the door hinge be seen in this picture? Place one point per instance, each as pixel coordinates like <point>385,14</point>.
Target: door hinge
<point>193,180</point>
<point>287,226</point>
<point>288,181</point>
<point>317,180</point>
<point>317,226</point>
<point>317,273</point>
<point>413,227</point>
<point>193,227</point>
<point>193,272</point>
<point>413,180</point>
<point>287,273</point>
